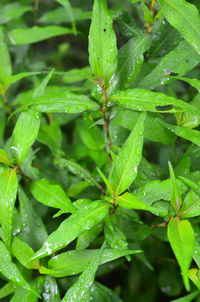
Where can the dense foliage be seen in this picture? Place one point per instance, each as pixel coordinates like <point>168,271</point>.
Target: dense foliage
<point>99,150</point>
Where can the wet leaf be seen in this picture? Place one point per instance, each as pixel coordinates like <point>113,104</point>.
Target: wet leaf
<point>24,137</point>
<point>72,227</point>
<point>124,168</point>
<point>170,63</point>
<point>181,238</point>
<point>9,269</point>
<point>5,64</point>
<point>185,18</point>
<point>52,195</point>
<point>22,251</point>
<point>102,42</point>
<point>144,100</point>
<point>75,261</point>
<point>8,188</point>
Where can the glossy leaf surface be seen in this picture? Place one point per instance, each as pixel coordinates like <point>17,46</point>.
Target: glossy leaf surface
<point>181,238</point>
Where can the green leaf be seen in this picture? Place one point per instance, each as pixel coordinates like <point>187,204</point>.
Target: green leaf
<point>193,82</point>
<point>12,11</point>
<point>76,169</point>
<point>130,201</point>
<point>74,262</point>
<point>105,181</point>
<point>156,190</point>
<point>77,75</point>
<point>22,251</point>
<point>72,227</point>
<point>77,188</point>
<point>175,199</point>
<point>5,64</point>
<point>80,291</point>
<point>92,137</point>
<point>89,236</point>
<point>33,231</point>
<point>58,15</point>
<point>8,188</point>
<point>130,58</point>
<point>6,290</point>
<point>66,102</point>
<point>4,157</point>
<point>190,206</point>
<point>181,238</point>
<point>69,12</point>
<point>9,269</point>
<point>145,100</point>
<point>115,237</point>
<point>127,118</point>
<point>187,298</point>
<point>19,76</point>
<point>101,293</point>
<point>35,34</point>
<point>102,42</point>
<point>22,295</point>
<point>124,168</point>
<point>52,195</point>
<point>170,63</point>
<point>193,274</point>
<point>42,86</point>
<point>185,18</point>
<point>23,137</point>
<point>186,133</point>
<point>51,291</point>
<point>51,136</point>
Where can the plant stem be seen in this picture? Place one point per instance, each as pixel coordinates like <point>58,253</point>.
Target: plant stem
<point>106,123</point>
<point>36,6</point>
<point>8,105</point>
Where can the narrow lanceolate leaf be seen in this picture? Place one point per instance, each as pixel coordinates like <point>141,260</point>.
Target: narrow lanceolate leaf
<point>4,157</point>
<point>22,251</point>
<point>52,195</point>
<point>5,64</point>
<point>6,290</point>
<point>193,82</point>
<point>24,136</point>
<point>130,58</point>
<point>74,262</point>
<point>65,102</point>
<point>124,168</point>
<point>130,201</point>
<point>12,11</point>
<point>80,291</point>
<point>186,133</point>
<point>176,201</point>
<point>22,295</point>
<point>17,77</point>
<point>145,100</point>
<point>69,12</point>
<point>33,231</point>
<point>185,18</point>
<point>181,238</point>
<point>9,270</point>
<point>8,189</point>
<point>188,298</point>
<point>35,34</point>
<point>51,291</point>
<point>76,169</point>
<point>193,274</point>
<point>170,63</point>
<point>72,227</point>
<point>102,42</point>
